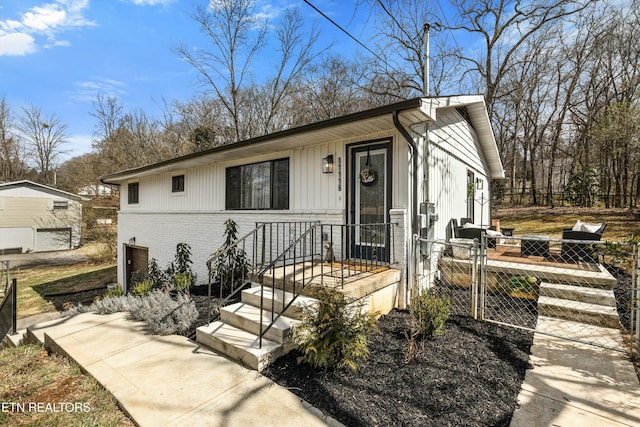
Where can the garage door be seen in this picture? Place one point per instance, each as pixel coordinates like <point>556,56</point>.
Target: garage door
<point>53,239</point>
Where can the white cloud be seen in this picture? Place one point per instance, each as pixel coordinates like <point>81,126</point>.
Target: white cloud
<point>87,90</point>
<point>49,20</point>
<point>16,44</point>
<point>152,2</point>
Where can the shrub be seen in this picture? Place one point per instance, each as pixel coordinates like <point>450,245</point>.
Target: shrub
<point>334,333</point>
<point>182,281</point>
<point>155,274</point>
<point>430,312</point>
<point>162,314</point>
<point>143,288</point>
<point>229,266</point>
<point>113,292</point>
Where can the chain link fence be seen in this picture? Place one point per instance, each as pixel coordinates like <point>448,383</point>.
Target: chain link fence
<point>582,290</point>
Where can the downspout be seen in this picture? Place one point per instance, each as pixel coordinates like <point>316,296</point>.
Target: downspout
<point>414,201</point>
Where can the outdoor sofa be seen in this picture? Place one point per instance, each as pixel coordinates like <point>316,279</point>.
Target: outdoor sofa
<point>575,247</point>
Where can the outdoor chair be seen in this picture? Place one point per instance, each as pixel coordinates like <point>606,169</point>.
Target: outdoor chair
<point>475,232</point>
<point>575,251</point>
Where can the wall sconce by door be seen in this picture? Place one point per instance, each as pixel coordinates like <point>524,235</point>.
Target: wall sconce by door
<point>479,184</point>
<point>327,164</point>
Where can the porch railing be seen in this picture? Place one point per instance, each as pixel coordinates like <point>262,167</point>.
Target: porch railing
<point>324,252</point>
<point>233,267</point>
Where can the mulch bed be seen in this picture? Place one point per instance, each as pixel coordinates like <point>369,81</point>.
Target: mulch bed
<point>471,376</point>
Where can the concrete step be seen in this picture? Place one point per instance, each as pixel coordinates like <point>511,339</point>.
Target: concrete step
<point>583,312</point>
<point>247,317</point>
<point>578,293</point>
<point>279,300</point>
<point>12,341</point>
<point>239,345</point>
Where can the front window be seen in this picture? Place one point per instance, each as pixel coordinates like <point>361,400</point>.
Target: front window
<point>133,191</point>
<point>263,185</point>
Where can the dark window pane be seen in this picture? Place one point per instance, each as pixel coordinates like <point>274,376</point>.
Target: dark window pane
<point>262,185</point>
<point>281,184</point>
<point>133,192</point>
<point>177,183</point>
<point>232,190</point>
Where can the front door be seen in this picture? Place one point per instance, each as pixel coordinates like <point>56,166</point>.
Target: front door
<point>370,200</point>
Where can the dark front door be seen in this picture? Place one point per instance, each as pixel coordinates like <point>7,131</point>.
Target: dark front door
<point>370,200</point>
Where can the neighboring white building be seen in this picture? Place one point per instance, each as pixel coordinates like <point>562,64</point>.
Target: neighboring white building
<point>37,218</point>
<point>424,152</point>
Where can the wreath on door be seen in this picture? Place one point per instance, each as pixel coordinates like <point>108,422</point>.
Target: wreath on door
<point>367,174</point>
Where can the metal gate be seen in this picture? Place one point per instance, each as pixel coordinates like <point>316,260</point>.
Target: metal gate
<point>539,284</point>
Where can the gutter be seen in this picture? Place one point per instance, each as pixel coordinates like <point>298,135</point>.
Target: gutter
<point>414,206</point>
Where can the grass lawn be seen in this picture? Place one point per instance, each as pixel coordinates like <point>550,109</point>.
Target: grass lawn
<point>621,223</point>
<point>33,378</point>
<point>48,288</point>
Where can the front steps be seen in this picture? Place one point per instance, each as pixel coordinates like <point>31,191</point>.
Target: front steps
<point>236,334</point>
<point>581,304</point>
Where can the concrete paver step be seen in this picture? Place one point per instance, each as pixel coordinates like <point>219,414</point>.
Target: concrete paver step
<point>247,317</point>
<point>239,345</point>
<point>578,293</point>
<point>593,314</point>
<point>276,299</point>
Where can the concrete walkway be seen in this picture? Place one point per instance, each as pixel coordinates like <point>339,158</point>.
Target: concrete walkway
<point>172,381</point>
<point>574,384</point>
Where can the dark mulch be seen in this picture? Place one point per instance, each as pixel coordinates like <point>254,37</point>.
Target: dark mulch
<point>471,376</point>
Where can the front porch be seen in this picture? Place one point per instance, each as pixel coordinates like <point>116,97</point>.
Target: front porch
<point>284,265</point>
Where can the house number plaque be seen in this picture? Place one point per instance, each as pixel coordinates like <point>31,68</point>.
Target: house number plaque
<point>339,173</point>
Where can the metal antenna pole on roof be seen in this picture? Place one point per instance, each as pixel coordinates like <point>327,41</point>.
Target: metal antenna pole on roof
<point>426,60</point>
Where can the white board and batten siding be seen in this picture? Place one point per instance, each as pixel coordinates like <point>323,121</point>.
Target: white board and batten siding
<point>162,219</point>
<point>454,151</point>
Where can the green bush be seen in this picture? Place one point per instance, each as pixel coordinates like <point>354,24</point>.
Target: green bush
<point>430,312</point>
<point>143,288</point>
<point>182,281</point>
<point>334,333</point>
<point>113,292</point>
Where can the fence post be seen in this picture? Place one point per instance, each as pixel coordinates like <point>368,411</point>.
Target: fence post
<point>14,303</point>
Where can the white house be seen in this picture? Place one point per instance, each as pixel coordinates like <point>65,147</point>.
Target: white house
<point>389,165</point>
<point>37,218</point>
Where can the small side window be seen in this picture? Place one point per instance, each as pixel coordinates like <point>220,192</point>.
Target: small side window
<point>177,184</point>
<point>133,193</point>
<point>60,205</point>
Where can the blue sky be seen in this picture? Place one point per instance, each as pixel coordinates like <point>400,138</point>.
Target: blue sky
<point>60,54</point>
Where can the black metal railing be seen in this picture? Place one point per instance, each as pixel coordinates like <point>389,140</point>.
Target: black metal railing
<point>9,310</point>
<point>323,251</point>
<point>233,267</point>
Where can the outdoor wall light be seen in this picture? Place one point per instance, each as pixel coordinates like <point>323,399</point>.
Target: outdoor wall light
<point>132,241</point>
<point>327,164</point>
<point>479,184</point>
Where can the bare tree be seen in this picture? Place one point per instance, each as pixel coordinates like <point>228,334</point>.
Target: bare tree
<point>45,136</point>
<point>12,156</point>
<point>503,27</point>
<point>237,35</point>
